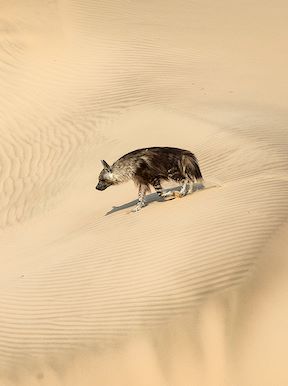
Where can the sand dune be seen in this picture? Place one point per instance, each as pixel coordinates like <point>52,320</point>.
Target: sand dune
<point>186,292</point>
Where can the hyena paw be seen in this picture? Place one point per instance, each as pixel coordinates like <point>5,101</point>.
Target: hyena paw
<point>168,195</point>
<point>179,194</point>
<point>139,206</point>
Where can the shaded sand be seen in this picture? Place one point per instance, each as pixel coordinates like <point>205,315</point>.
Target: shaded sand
<point>187,292</point>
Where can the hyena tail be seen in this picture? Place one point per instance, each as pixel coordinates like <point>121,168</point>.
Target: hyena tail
<point>191,167</point>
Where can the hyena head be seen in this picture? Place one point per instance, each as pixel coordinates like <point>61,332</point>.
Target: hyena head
<point>106,177</point>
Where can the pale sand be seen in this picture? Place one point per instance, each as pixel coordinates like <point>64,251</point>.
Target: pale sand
<point>187,292</point>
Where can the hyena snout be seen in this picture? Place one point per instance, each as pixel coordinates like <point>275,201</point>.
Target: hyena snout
<point>102,185</point>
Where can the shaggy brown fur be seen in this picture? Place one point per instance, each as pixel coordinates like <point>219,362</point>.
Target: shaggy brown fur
<point>148,167</point>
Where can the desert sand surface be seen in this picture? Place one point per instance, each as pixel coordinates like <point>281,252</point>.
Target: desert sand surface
<point>189,292</point>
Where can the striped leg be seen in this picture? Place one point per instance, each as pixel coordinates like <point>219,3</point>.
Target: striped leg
<point>159,190</point>
<point>141,198</point>
<point>157,186</point>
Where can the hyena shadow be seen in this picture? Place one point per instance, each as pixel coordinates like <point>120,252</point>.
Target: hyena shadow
<point>150,198</point>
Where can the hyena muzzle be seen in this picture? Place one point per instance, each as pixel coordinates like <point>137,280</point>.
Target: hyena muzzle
<point>149,167</point>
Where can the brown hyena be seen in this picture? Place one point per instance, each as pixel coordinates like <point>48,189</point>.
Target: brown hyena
<point>150,166</point>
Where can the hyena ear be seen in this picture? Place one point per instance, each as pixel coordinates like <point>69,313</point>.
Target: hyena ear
<point>105,165</point>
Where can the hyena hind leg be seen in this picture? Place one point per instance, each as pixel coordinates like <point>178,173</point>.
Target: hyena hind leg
<point>184,188</point>
<point>141,198</point>
<point>190,187</point>
<point>194,185</point>
<point>159,190</point>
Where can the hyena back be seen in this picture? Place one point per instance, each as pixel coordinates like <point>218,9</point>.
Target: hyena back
<point>148,167</point>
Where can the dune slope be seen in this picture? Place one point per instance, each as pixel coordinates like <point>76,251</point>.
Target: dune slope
<point>183,292</point>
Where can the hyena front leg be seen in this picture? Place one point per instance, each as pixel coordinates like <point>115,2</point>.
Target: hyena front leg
<point>141,198</point>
